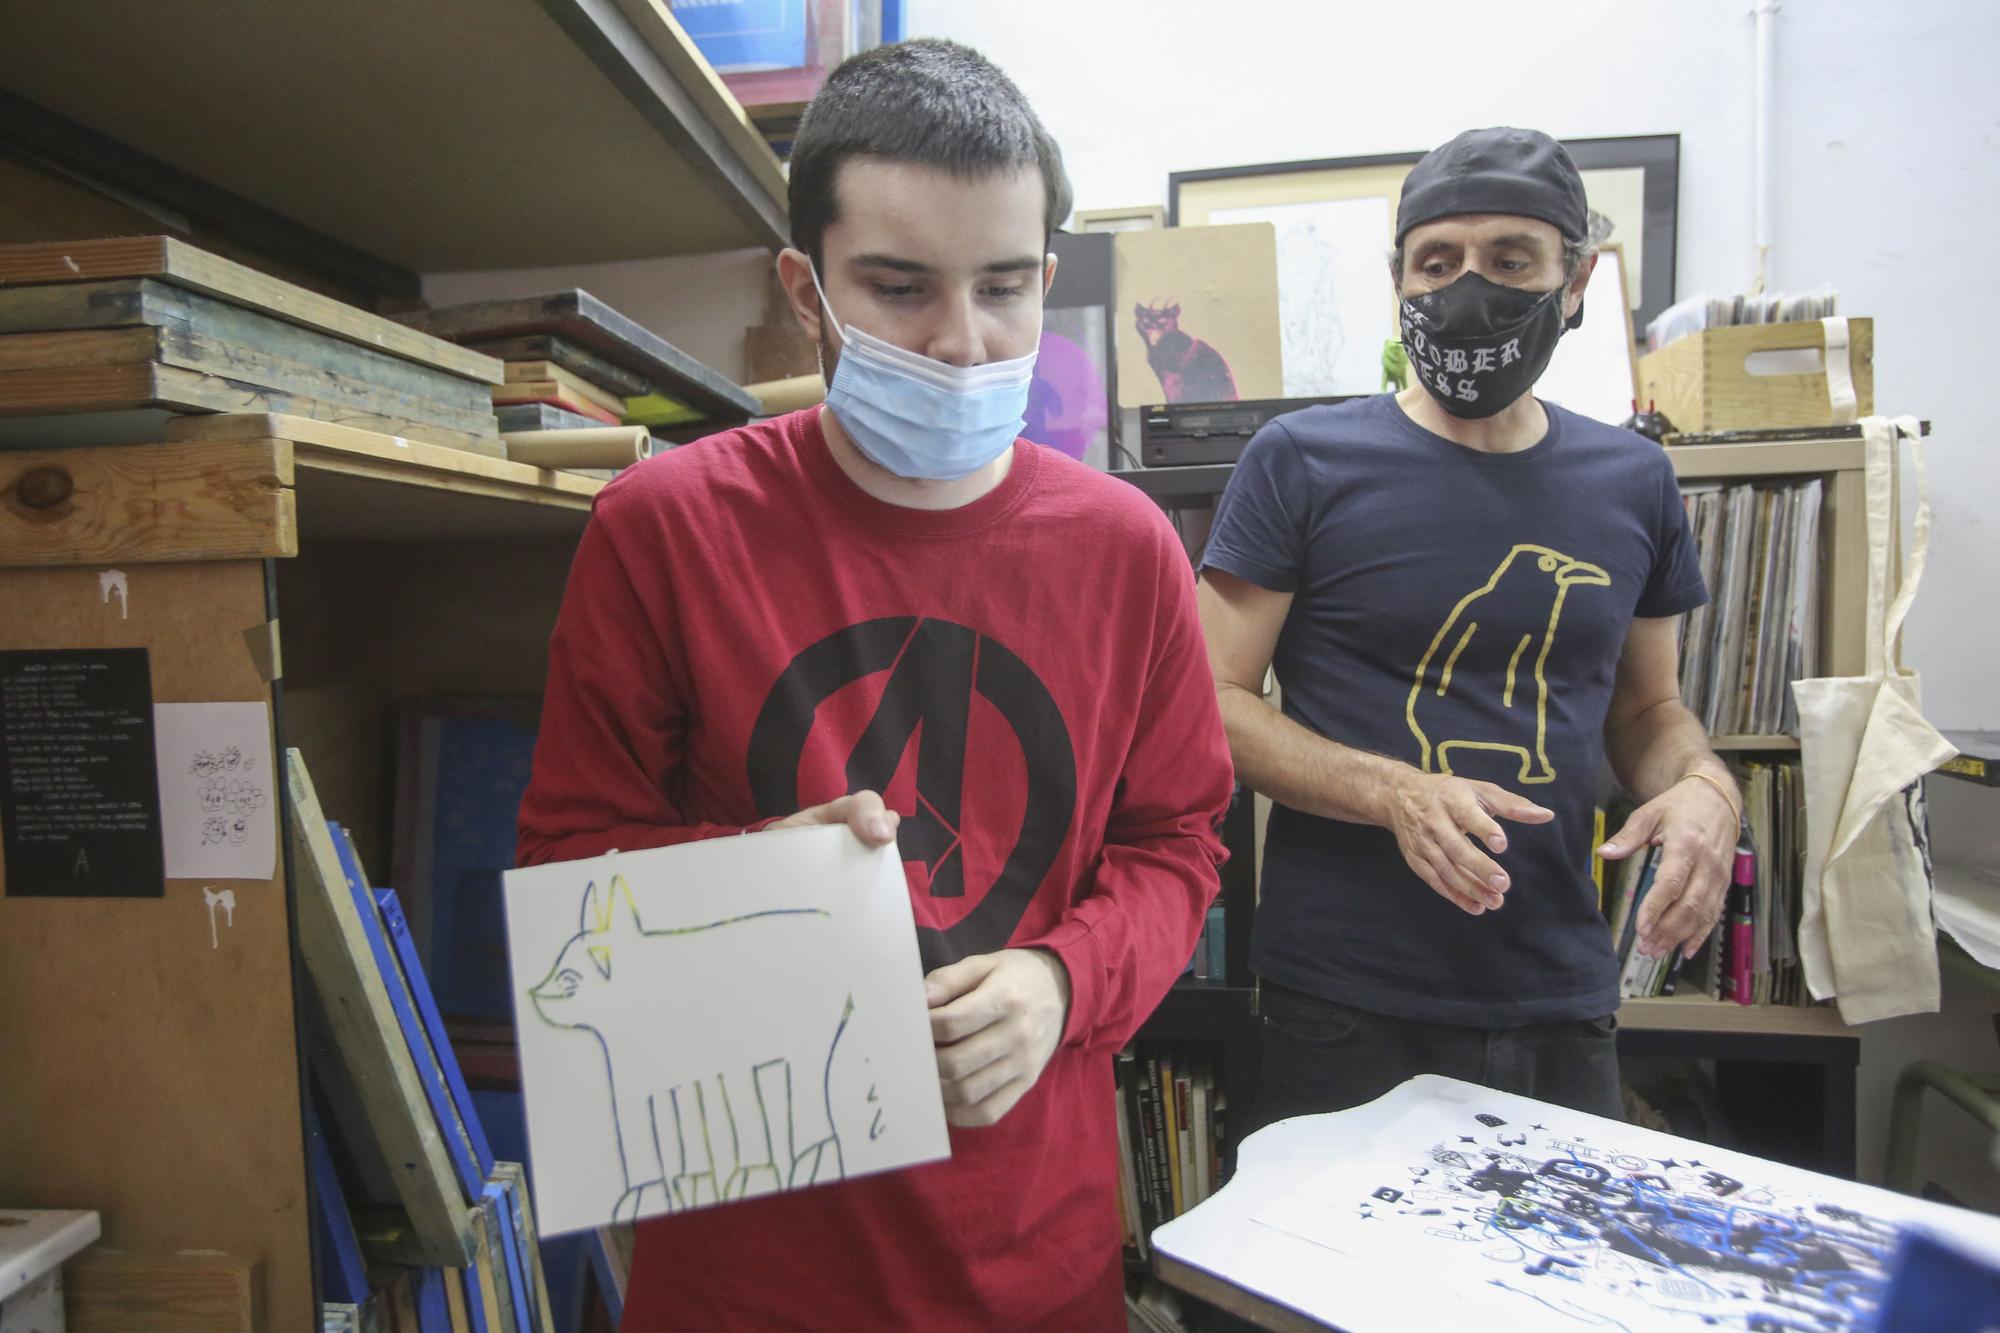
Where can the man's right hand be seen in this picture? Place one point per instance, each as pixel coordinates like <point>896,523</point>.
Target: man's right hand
<point>872,822</point>
<point>1442,822</point>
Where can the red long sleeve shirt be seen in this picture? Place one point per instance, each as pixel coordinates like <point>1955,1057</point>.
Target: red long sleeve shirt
<point>747,633</point>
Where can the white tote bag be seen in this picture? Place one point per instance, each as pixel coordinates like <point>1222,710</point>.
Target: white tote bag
<point>1866,934</point>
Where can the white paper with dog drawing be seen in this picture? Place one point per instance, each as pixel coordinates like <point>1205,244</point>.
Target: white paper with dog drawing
<point>717,1021</point>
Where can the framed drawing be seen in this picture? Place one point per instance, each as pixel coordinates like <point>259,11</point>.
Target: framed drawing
<point>1336,225</point>
<point>1197,315</point>
<point>1141,217</point>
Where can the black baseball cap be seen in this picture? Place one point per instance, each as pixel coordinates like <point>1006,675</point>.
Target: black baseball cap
<point>1522,172</point>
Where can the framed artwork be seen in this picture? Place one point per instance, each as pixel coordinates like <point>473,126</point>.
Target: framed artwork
<point>1336,226</point>
<point>1071,403</point>
<point>1197,315</point>
<point>1143,217</point>
<point>461,768</point>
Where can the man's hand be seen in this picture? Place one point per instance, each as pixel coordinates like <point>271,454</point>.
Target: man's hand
<point>1695,826</point>
<point>872,822</point>
<point>1441,822</point>
<point>996,1019</point>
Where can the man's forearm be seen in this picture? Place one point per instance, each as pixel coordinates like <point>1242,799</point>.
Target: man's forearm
<point>1662,746</point>
<point>1294,767</point>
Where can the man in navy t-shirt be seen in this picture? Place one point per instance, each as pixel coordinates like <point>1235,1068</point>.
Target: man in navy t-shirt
<point>1469,597</point>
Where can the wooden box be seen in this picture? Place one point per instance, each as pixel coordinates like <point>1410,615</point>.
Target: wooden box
<point>1707,380</point>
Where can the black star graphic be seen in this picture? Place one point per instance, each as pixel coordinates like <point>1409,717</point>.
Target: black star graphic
<point>1537,1126</point>
<point>1667,1162</point>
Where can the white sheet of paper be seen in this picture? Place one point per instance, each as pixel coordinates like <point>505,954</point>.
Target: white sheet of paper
<point>1591,371</point>
<point>218,793</point>
<point>716,1021</point>
<point>1533,1216</point>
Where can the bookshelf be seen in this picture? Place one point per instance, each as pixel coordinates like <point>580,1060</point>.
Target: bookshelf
<point>360,572</point>
<point>1810,1046</point>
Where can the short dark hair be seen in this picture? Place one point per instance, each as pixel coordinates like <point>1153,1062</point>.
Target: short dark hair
<point>928,101</point>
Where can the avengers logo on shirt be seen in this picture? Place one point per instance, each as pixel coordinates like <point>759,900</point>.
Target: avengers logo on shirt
<point>958,734</point>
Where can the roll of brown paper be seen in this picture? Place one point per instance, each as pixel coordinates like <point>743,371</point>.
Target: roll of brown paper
<point>780,396</point>
<point>609,446</point>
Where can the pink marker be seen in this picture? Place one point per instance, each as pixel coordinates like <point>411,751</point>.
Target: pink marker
<point>1742,927</point>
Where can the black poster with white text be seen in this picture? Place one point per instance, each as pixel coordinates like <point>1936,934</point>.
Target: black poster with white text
<point>79,790</point>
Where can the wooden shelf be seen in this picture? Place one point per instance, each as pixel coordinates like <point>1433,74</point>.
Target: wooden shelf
<point>354,485</point>
<point>1752,744</point>
<point>518,134</point>
<point>1699,1013</point>
<point>1788,458</point>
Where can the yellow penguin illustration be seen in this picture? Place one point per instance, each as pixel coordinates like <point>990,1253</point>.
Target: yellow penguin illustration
<point>1496,660</point>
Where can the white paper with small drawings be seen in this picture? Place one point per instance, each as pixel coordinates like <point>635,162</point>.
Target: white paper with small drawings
<point>717,1021</point>
<point>218,796</point>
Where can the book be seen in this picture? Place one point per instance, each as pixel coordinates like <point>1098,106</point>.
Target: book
<point>555,395</point>
<point>1170,1138</point>
<point>530,372</point>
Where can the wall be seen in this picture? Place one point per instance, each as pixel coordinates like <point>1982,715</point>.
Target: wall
<point>1887,144</point>
<point>1867,97</point>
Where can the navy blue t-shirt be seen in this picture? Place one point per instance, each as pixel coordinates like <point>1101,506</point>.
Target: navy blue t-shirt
<point>1464,612</point>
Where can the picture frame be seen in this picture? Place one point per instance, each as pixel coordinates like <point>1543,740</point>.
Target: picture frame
<point>1072,404</point>
<point>462,763</point>
<point>1633,183</point>
<point>1139,217</point>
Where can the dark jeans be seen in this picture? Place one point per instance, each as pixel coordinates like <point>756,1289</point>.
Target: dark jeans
<point>1317,1055</point>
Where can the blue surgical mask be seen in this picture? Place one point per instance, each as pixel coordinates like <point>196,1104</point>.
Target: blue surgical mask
<point>919,417</point>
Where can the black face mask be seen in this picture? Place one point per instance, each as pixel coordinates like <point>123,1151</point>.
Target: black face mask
<point>1478,346</point>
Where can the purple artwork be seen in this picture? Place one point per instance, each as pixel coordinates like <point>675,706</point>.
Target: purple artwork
<point>1068,403</point>
<point>1190,370</point>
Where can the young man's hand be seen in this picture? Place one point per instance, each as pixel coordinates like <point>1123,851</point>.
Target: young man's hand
<point>996,1019</point>
<point>872,822</point>
<point>1441,822</point>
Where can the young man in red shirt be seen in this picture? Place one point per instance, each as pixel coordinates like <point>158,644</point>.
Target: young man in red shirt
<point>890,612</point>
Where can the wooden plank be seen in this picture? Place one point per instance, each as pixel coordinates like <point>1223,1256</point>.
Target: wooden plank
<point>122,388</point>
<point>186,266</point>
<point>63,351</point>
<point>516,1177</point>
<point>520,372</point>
<point>242,363</point>
<point>1844,539</point>
<point>370,1044</point>
<point>128,302</point>
<point>519,417</point>
<point>326,447</point>
<point>147,504</point>
<point>117,1003</point>
<point>548,347</point>
<point>1780,458</point>
<point>454,1300</point>
<point>588,322</point>
<point>112,1292</point>
<point>554,395</point>
<point>1699,1013</point>
<point>488,1278</point>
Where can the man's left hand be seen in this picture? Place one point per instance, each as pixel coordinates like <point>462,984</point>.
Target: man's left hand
<point>996,1019</point>
<point>1695,826</point>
